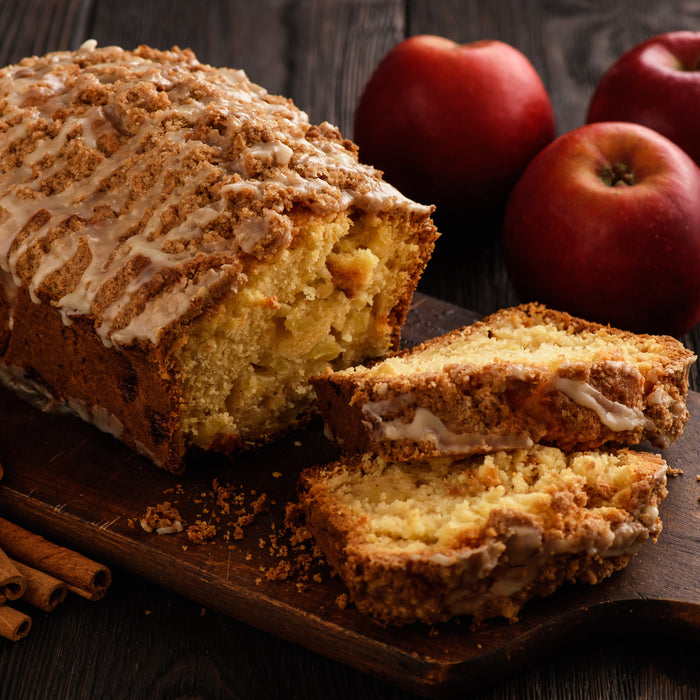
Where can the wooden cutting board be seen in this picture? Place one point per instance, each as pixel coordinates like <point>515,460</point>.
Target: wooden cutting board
<point>75,485</point>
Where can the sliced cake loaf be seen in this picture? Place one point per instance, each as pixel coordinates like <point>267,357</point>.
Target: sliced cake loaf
<point>521,376</point>
<point>480,535</point>
<point>181,250</point>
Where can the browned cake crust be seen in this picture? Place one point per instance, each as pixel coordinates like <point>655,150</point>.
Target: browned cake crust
<point>140,192</point>
<point>521,376</point>
<point>479,536</point>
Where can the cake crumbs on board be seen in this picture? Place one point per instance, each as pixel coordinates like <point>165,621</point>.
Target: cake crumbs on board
<point>225,512</point>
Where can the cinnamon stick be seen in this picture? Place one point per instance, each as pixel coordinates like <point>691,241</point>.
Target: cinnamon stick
<point>12,583</point>
<point>43,591</point>
<point>83,576</point>
<point>14,624</point>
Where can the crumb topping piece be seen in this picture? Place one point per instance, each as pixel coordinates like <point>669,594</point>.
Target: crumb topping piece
<point>163,519</point>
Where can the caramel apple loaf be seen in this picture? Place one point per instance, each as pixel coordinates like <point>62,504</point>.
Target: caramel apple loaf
<point>180,250</point>
<point>521,376</point>
<point>479,535</point>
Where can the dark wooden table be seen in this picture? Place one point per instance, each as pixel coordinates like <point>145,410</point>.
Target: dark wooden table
<point>144,642</point>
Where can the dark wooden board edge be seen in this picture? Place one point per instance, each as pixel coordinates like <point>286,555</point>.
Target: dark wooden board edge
<point>661,585</point>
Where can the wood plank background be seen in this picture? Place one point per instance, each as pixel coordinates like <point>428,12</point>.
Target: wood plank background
<point>143,642</point>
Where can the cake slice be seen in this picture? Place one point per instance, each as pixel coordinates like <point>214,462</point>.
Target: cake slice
<point>429,540</point>
<point>522,376</point>
<point>180,250</point>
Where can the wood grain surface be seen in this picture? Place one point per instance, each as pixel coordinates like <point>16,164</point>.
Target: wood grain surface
<point>146,641</point>
<point>65,479</point>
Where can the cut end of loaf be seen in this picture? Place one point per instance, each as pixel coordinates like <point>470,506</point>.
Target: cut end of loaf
<point>336,297</point>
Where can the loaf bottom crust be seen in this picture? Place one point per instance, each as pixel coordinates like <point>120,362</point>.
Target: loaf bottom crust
<point>134,396</point>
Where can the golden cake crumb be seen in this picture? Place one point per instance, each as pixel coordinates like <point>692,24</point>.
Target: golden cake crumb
<point>162,518</point>
<point>201,532</point>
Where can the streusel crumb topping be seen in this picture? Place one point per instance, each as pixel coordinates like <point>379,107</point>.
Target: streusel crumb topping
<point>138,186</point>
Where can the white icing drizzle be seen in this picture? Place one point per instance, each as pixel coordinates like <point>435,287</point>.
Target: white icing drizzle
<point>614,415</point>
<point>291,164</point>
<point>379,409</point>
<point>475,564</point>
<point>527,552</point>
<point>98,416</point>
<point>163,309</point>
<point>425,425</point>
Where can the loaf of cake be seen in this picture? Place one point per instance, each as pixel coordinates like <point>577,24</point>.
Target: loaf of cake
<point>480,535</point>
<point>180,250</point>
<point>522,376</point>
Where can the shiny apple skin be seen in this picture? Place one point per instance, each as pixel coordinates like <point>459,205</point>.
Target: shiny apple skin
<point>628,254</point>
<point>657,84</point>
<point>453,124</point>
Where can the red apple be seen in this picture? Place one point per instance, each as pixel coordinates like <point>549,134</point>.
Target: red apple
<point>657,84</point>
<point>605,224</point>
<point>453,125</point>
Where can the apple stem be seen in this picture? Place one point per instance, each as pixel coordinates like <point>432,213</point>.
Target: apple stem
<point>617,174</point>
